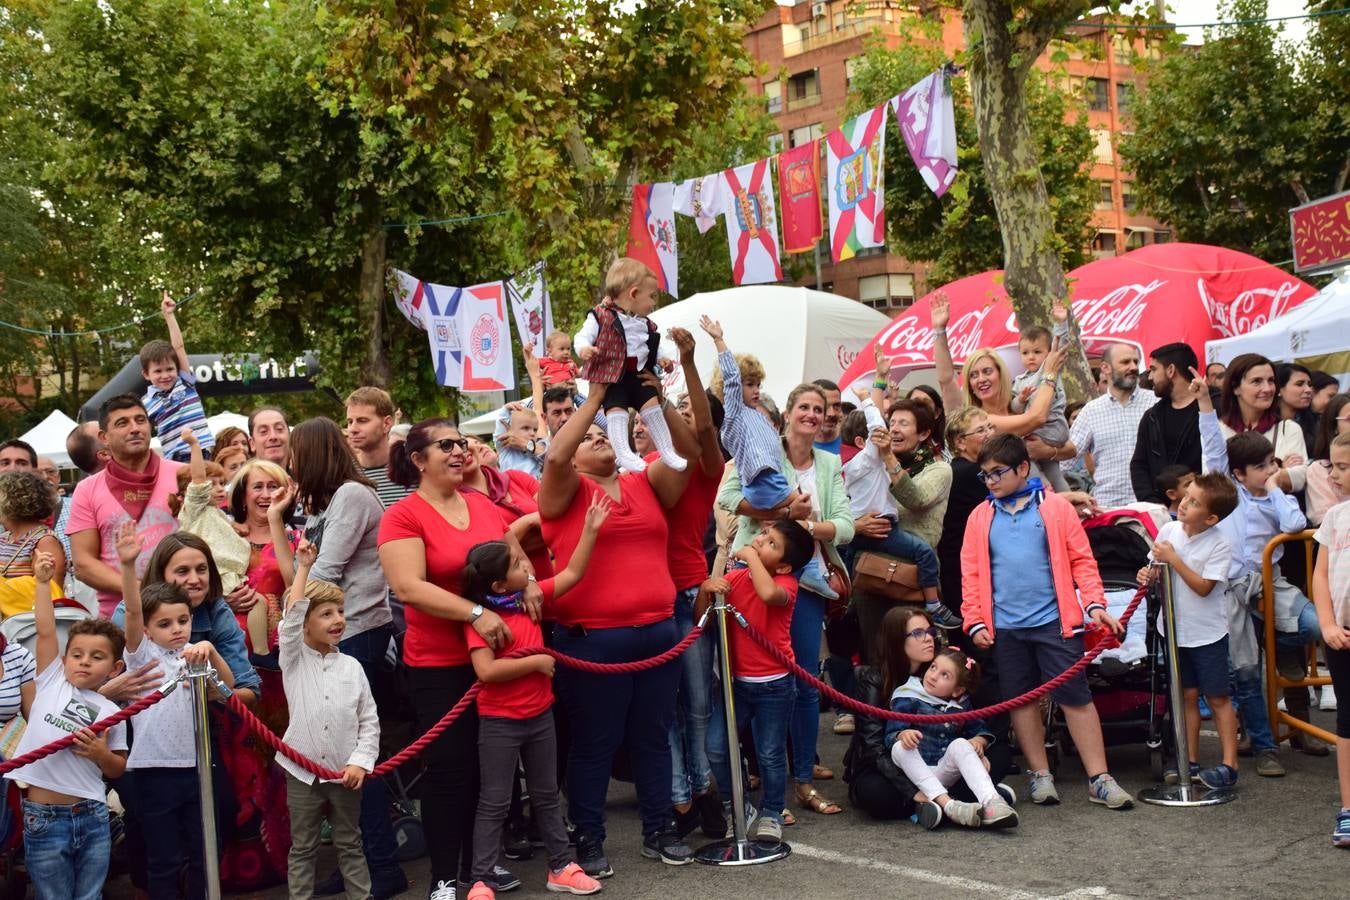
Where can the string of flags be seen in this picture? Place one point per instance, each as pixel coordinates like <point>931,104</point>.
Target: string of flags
<point>854,184</point>
<point>467,328</point>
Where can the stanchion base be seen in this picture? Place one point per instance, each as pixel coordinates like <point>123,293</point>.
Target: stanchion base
<point>1180,795</point>
<point>731,852</point>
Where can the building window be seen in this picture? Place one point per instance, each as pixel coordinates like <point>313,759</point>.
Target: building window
<point>1127,197</point>
<point>890,290</point>
<point>804,35</point>
<point>1104,244</point>
<point>803,89</point>
<point>1135,239</point>
<point>1123,49</point>
<point>1096,92</point>
<point>1105,199</point>
<point>1124,98</point>
<point>1162,236</point>
<point>804,135</point>
<point>850,67</point>
<point>1102,153</point>
<point>773,93</point>
<point>775,143</point>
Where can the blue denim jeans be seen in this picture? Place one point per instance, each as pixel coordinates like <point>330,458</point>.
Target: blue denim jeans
<point>898,543</point>
<point>690,774</point>
<point>1250,700</point>
<point>808,623</point>
<point>369,648</point>
<point>66,849</point>
<point>767,706</point>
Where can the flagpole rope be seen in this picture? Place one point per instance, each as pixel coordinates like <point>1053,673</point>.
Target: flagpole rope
<point>136,321</point>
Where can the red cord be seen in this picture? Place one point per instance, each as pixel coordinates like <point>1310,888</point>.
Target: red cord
<point>98,727</point>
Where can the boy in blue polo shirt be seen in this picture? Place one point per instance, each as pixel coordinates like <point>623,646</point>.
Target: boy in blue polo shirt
<point>171,401</point>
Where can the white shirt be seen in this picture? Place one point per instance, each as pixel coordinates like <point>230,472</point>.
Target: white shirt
<point>1200,620</point>
<point>635,332</point>
<point>806,483</point>
<point>20,668</point>
<point>1334,535</point>
<point>164,736</point>
<point>1108,429</point>
<point>869,487</point>
<point>58,710</point>
<point>333,718</point>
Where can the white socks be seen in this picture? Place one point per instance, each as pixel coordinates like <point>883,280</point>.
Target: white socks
<point>617,428</point>
<point>655,420</point>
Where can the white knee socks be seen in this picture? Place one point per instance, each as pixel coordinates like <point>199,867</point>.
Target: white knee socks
<point>616,421</point>
<point>655,420</point>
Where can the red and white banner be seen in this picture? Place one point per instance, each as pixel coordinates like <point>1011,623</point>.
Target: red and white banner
<point>799,196</point>
<point>856,184</point>
<point>651,233</point>
<point>752,224</point>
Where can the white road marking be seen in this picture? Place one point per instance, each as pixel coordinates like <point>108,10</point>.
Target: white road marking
<point>953,882</point>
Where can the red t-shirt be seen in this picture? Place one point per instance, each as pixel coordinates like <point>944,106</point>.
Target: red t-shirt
<point>431,640</point>
<point>748,659</point>
<point>688,520</point>
<point>524,489</point>
<point>628,580</point>
<point>524,697</point>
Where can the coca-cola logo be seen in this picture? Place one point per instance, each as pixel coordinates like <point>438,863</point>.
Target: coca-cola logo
<point>844,355</point>
<point>1117,312</point>
<point>908,340</point>
<point>1247,311</point>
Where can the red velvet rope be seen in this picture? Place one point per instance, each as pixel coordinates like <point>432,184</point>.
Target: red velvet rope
<point>965,716</point>
<point>270,739</point>
<point>98,727</point>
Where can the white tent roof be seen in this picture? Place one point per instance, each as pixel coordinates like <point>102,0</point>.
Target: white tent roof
<point>225,420</point>
<point>48,438</point>
<point>797,333</point>
<point>1317,327</point>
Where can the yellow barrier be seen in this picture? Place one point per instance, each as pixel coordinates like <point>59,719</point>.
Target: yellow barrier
<point>1282,723</point>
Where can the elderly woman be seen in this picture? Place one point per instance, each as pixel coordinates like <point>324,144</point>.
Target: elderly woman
<point>823,509</point>
<point>424,541</point>
<point>621,611</point>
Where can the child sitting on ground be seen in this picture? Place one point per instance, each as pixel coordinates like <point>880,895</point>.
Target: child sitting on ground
<point>200,513</point>
<point>557,365</point>
<point>1172,483</point>
<point>763,589</point>
<point>1199,557</point>
<point>936,755</point>
<point>1029,584</point>
<point>618,344</point>
<point>515,707</point>
<point>171,400</point>
<point>1331,595</point>
<point>753,442</point>
<point>1034,344</point>
<point>333,722</point>
<point>65,817</point>
<point>164,754</point>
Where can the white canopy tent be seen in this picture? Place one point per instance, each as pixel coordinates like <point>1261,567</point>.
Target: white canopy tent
<point>1315,333</point>
<point>226,419</point>
<point>48,438</point>
<point>797,333</point>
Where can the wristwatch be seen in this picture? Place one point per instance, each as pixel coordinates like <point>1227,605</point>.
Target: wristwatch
<point>476,612</point>
<point>532,578</point>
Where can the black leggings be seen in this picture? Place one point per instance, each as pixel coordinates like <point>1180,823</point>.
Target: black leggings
<point>449,785</point>
<point>1338,662</point>
<point>874,794</point>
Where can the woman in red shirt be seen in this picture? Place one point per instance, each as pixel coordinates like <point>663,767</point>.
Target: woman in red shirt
<point>424,539</point>
<point>621,611</point>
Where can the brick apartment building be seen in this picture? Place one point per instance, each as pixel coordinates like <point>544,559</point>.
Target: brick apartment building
<point>813,43</point>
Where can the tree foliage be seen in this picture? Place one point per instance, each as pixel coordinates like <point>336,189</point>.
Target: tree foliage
<point>1232,134</point>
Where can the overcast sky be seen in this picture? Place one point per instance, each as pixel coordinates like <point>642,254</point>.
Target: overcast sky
<point>1184,12</point>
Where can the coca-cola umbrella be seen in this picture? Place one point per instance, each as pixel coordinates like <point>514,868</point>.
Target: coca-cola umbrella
<point>1149,297</point>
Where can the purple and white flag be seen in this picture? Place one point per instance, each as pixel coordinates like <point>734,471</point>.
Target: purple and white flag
<point>927,122</point>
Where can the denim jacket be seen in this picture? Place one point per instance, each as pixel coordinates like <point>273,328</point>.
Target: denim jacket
<point>910,697</point>
<point>214,621</point>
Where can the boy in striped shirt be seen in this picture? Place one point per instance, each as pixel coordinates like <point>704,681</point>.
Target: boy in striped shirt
<point>171,401</point>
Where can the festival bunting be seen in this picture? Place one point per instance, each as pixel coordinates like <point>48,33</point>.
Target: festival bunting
<point>439,308</point>
<point>855,184</point>
<point>752,224</point>
<point>799,196</point>
<point>485,338</point>
<point>532,308</point>
<point>408,297</point>
<point>927,122</point>
<point>701,199</point>
<point>651,233</point>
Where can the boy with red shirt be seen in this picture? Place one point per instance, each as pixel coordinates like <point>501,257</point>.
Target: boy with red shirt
<point>763,592</point>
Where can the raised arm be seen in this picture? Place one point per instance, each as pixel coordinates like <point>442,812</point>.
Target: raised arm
<point>558,484</point>
<point>167,307</point>
<point>44,614</point>
<point>768,590</point>
<point>710,455</point>
<point>128,548</point>
<point>882,373</point>
<point>940,310</point>
<point>536,381</point>
<point>276,523</point>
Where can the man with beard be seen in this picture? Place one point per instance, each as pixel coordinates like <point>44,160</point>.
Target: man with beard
<point>827,438</point>
<point>1169,432</point>
<point>1109,425</point>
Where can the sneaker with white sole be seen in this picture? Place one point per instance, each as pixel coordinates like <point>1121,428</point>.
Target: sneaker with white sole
<point>1007,793</point>
<point>928,814</point>
<point>997,813</point>
<point>571,880</point>
<point>1041,786</point>
<point>444,890</point>
<point>944,618</point>
<point>1341,836</point>
<point>962,813</point>
<point>1104,790</point>
<point>766,828</point>
<point>1328,701</point>
<point>844,723</point>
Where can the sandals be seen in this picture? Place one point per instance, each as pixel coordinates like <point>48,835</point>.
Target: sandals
<point>816,802</point>
<point>788,818</point>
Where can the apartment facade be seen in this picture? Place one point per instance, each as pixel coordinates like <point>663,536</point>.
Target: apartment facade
<point>808,51</point>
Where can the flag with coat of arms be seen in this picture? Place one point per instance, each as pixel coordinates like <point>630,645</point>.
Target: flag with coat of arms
<point>469,336</point>
<point>532,308</point>
<point>408,296</point>
<point>438,307</point>
<point>752,224</point>
<point>855,184</point>
<point>651,233</point>
<point>799,195</point>
<point>927,119</point>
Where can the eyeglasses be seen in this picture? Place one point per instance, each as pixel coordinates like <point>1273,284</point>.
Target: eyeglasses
<point>995,475</point>
<point>986,428</point>
<point>449,444</point>
<point>919,633</point>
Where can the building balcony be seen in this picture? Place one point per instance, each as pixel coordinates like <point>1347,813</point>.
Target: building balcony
<point>810,99</point>
<point>848,31</point>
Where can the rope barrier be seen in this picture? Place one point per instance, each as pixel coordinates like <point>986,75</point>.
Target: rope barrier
<point>967,716</point>
<point>98,727</point>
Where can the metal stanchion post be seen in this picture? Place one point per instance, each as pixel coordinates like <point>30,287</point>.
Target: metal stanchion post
<point>1183,793</point>
<point>736,850</point>
<point>201,676</point>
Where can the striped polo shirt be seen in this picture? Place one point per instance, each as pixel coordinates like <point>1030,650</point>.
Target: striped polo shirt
<point>175,409</point>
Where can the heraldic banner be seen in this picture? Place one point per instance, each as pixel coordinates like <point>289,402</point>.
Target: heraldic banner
<point>532,309</point>
<point>651,233</point>
<point>752,224</point>
<point>927,122</point>
<point>799,194</point>
<point>855,184</point>
<point>408,297</point>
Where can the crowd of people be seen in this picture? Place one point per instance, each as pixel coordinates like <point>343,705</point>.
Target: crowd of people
<point>350,584</point>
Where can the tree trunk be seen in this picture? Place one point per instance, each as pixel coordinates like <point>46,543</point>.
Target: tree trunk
<point>375,368</point>
<point>1001,56</point>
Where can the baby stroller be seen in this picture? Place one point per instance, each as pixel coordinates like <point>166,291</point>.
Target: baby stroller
<point>1129,679</point>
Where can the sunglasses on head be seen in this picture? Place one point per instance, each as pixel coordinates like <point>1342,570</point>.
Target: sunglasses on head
<point>449,444</point>
<point>918,633</point>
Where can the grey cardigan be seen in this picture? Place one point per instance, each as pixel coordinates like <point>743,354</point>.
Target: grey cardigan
<point>346,535</point>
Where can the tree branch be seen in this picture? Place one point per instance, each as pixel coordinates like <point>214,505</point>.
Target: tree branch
<point>1296,185</point>
<point>1049,20</point>
<point>1342,176</point>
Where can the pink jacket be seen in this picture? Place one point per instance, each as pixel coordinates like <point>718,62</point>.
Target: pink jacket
<point>1071,563</point>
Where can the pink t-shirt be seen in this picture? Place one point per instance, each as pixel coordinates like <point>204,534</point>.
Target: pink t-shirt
<point>1334,536</point>
<point>94,506</point>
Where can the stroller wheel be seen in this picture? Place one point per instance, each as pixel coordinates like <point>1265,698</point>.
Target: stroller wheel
<point>410,837</point>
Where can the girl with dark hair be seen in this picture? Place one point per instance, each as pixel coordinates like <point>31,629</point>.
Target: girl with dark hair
<point>1294,385</point>
<point>1324,388</point>
<point>1247,402</point>
<point>424,543</point>
<point>1322,493</point>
